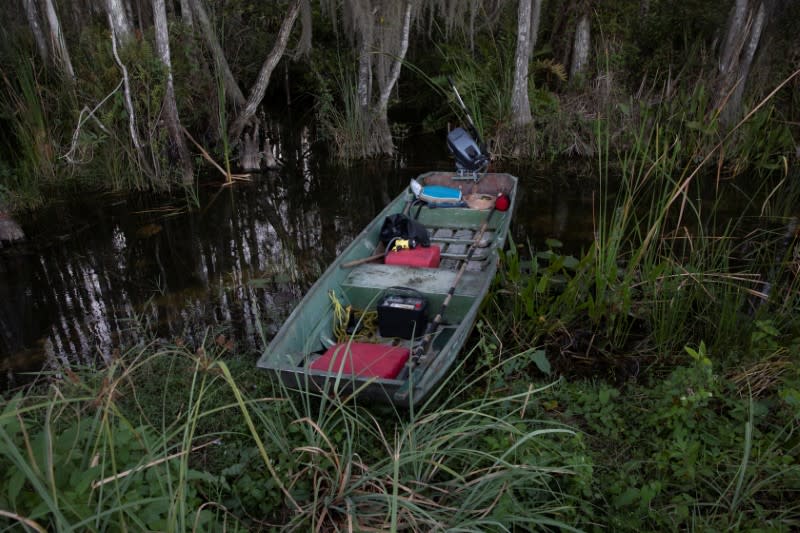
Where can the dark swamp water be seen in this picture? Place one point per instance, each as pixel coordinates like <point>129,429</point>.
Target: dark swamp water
<point>97,272</point>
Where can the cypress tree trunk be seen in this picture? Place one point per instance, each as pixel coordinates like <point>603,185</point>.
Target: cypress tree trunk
<point>170,106</point>
<point>733,37</point>
<point>128,101</point>
<point>9,229</point>
<point>742,38</point>
<point>118,17</point>
<point>364,88</point>
<point>260,86</point>
<point>520,104</point>
<point>232,90</point>
<point>580,48</point>
<point>536,21</point>
<point>32,13</point>
<point>61,53</point>
<point>381,134</point>
<point>186,13</point>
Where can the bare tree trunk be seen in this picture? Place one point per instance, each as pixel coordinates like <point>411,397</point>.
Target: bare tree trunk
<point>9,229</point>
<point>364,88</point>
<point>580,48</point>
<point>260,86</point>
<point>170,106</point>
<point>732,46</point>
<point>381,133</point>
<point>536,21</point>
<point>32,12</point>
<point>232,90</point>
<point>186,13</point>
<point>394,74</point>
<point>134,132</point>
<point>119,20</point>
<point>253,155</point>
<point>57,40</point>
<point>140,17</point>
<point>742,39</point>
<point>520,104</point>
<point>77,13</point>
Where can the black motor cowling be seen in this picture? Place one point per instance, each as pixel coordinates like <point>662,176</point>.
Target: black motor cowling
<point>469,156</point>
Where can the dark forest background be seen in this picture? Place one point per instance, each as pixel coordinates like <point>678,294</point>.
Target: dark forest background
<point>139,94</point>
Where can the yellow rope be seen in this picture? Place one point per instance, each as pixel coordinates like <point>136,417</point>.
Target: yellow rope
<point>367,320</point>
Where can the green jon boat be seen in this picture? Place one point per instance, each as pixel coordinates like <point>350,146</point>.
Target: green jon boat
<point>404,369</point>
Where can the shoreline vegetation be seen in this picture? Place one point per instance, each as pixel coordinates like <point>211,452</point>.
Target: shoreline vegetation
<point>140,99</point>
<point>649,383</point>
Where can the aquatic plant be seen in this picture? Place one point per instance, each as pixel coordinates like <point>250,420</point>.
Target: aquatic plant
<point>341,117</point>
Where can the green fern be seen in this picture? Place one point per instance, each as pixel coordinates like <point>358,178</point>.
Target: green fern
<point>550,67</point>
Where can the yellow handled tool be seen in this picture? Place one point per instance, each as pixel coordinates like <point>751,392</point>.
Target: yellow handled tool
<point>402,244</point>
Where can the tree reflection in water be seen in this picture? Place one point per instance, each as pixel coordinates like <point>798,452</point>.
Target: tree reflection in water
<point>105,273</point>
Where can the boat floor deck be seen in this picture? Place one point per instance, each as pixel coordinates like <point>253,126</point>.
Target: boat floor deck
<point>425,280</point>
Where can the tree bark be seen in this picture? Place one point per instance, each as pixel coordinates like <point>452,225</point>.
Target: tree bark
<point>9,229</point>
<point>61,52</point>
<point>32,12</point>
<point>134,132</point>
<point>262,81</point>
<point>520,103</point>
<point>186,13</point>
<point>170,105</point>
<point>394,74</point>
<point>739,61</point>
<point>536,21</point>
<point>364,87</point>
<point>232,90</point>
<point>118,17</point>
<point>732,46</point>
<point>580,48</point>
<point>253,155</point>
<point>381,134</point>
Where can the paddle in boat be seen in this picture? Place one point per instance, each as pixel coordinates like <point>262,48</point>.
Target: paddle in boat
<point>388,319</point>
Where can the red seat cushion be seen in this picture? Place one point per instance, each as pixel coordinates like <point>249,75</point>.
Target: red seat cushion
<point>363,359</point>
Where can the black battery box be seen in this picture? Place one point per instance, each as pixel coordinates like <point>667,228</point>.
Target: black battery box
<point>403,313</point>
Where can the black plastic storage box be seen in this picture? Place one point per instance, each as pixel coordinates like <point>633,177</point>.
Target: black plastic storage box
<point>402,313</point>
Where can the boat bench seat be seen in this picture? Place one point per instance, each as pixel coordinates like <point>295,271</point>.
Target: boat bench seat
<point>426,280</point>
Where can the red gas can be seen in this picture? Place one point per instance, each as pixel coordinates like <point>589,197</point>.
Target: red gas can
<point>416,257</point>
<point>363,359</point>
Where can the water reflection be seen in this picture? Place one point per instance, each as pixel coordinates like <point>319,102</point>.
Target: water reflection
<point>90,273</point>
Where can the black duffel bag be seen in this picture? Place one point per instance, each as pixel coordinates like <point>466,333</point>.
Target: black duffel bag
<point>399,226</point>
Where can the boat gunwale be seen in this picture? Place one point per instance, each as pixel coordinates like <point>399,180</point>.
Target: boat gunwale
<point>395,391</point>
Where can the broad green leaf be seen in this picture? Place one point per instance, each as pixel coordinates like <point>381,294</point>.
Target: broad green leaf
<point>539,357</point>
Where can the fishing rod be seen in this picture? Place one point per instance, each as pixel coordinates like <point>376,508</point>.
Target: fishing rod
<point>466,112</point>
<point>420,353</point>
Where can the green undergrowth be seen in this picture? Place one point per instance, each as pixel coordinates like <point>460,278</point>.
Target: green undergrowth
<point>676,343</point>
<point>689,449</point>
<point>688,402</point>
<point>172,438</point>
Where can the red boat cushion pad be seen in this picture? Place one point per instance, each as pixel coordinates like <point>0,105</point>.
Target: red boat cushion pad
<point>363,359</point>
<point>415,257</point>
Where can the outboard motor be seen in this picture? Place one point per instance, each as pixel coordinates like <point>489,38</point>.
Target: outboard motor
<point>469,156</point>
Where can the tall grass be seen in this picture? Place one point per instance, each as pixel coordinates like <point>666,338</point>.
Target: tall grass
<point>341,116</point>
<point>668,267</point>
<point>168,438</point>
<point>35,150</point>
